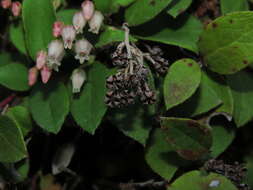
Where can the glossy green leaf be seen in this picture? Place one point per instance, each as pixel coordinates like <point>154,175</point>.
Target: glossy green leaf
<point>222,138</point>
<point>66,16</point>
<point>112,35</point>
<point>202,101</point>
<point>223,91</point>
<point>49,105</point>
<point>14,76</point>
<point>111,6</point>
<point>238,5</point>
<point>190,139</point>
<point>88,107</point>
<point>183,31</point>
<point>181,81</point>
<point>178,6</point>
<point>17,37</point>
<point>242,92</point>
<point>12,145</point>
<point>134,122</point>
<point>22,118</point>
<point>227,43</point>
<point>159,155</point>
<point>195,180</point>
<point>38,18</point>
<point>144,10</point>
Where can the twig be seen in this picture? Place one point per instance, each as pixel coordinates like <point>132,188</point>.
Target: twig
<point>143,184</point>
<point>7,100</point>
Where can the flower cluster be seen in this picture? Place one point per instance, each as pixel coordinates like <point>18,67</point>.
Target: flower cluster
<point>67,38</point>
<point>15,7</point>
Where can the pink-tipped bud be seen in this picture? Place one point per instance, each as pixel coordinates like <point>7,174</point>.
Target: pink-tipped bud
<point>57,28</point>
<point>96,22</point>
<point>41,59</point>
<point>5,4</point>
<point>79,22</point>
<point>16,8</point>
<point>55,54</point>
<point>32,76</point>
<point>45,74</point>
<point>83,48</point>
<point>78,78</point>
<point>68,34</point>
<point>88,9</point>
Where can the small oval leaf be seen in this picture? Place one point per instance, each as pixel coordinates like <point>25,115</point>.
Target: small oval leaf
<point>226,44</point>
<point>38,18</point>
<point>14,76</point>
<point>189,138</point>
<point>12,145</point>
<point>181,82</point>
<point>49,105</point>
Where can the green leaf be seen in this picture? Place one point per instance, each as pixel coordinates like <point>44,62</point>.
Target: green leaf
<point>12,145</point>
<point>144,10</point>
<point>111,6</point>
<point>203,100</point>
<point>14,76</point>
<point>195,180</point>
<point>181,81</point>
<point>222,138</point>
<point>223,91</point>
<point>134,121</point>
<point>190,139</point>
<point>111,35</point>
<point>22,118</point>
<point>17,37</point>
<point>38,19</point>
<point>66,16</point>
<point>178,6</point>
<point>238,5</point>
<point>159,155</point>
<point>183,31</point>
<point>227,43</point>
<point>88,108</point>
<point>242,92</point>
<point>5,58</point>
<point>49,105</point>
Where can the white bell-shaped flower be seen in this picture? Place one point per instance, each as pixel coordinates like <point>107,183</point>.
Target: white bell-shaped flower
<point>68,34</point>
<point>79,22</point>
<point>55,54</point>
<point>88,9</point>
<point>95,22</point>
<point>78,78</point>
<point>82,49</point>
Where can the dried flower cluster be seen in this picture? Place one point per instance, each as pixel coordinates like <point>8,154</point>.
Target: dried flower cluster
<point>15,7</point>
<point>131,81</point>
<point>67,39</point>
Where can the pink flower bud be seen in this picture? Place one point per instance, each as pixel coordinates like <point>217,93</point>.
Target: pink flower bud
<point>55,54</point>
<point>32,76</point>
<point>82,48</point>
<point>79,22</point>
<point>6,4</point>
<point>57,28</point>
<point>68,34</point>
<point>41,59</point>
<point>78,78</point>
<point>96,22</point>
<point>16,8</point>
<point>88,9</point>
<point>45,74</point>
